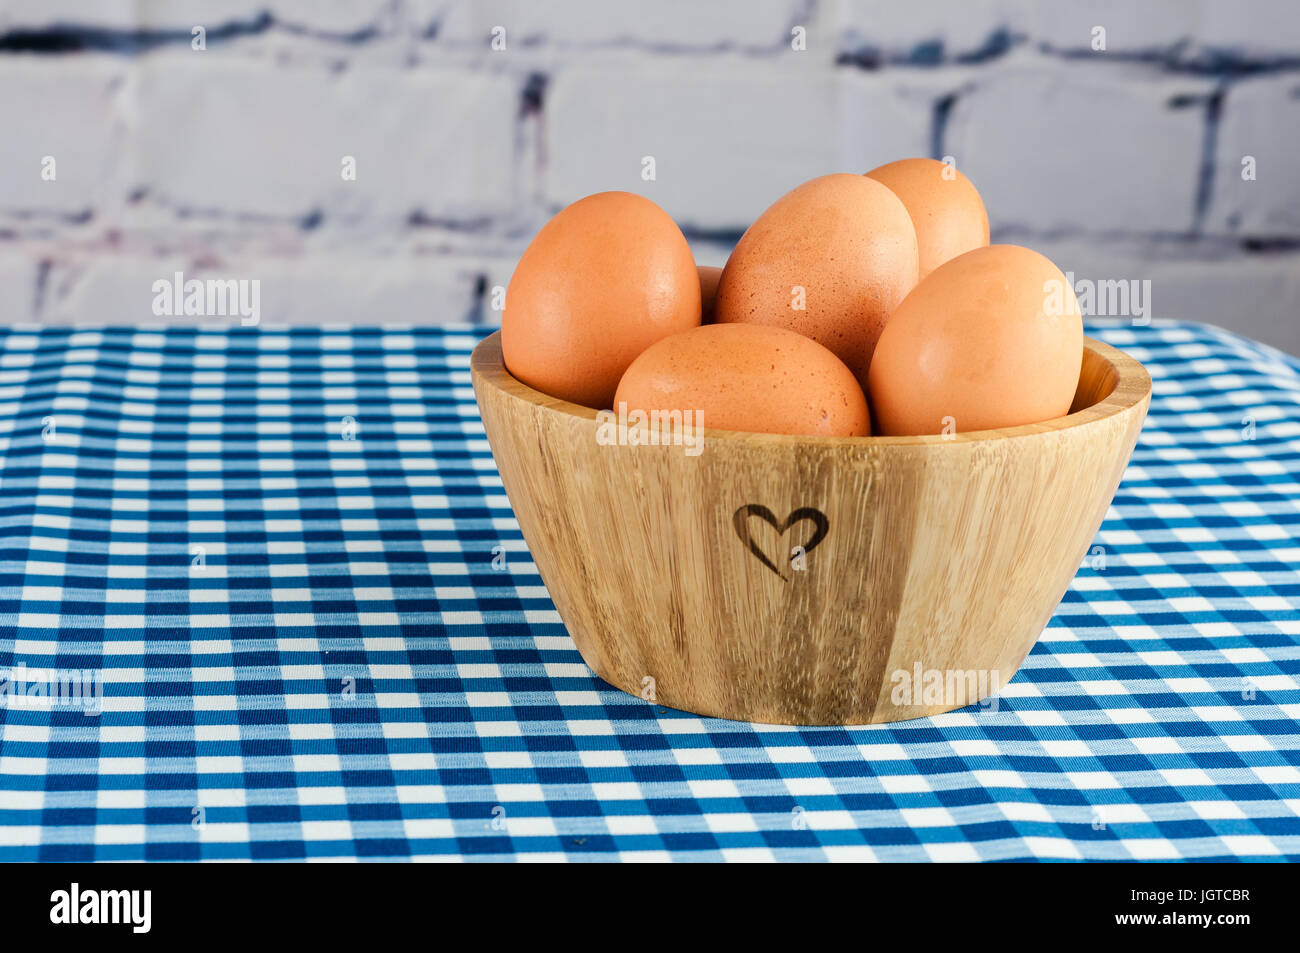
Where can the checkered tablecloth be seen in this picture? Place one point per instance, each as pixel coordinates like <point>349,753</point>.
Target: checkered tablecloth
<point>286,560</point>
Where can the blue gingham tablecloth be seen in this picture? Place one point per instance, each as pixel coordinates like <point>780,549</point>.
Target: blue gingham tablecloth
<point>286,561</point>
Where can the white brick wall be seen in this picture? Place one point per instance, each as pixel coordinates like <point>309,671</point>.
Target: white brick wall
<point>50,109</point>
<point>315,289</point>
<point>339,17</point>
<point>1220,285</point>
<point>1261,122</point>
<point>246,138</point>
<point>1065,148</point>
<point>920,30</point>
<point>19,281</point>
<point>683,25</point>
<point>1122,162</point>
<point>727,138</point>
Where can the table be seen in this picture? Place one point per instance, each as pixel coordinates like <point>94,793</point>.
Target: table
<point>283,563</point>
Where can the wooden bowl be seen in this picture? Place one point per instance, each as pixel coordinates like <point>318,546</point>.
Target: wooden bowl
<point>811,580</point>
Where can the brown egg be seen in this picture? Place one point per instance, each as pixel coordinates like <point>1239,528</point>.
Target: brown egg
<point>946,211</point>
<point>829,260</point>
<point>709,276</point>
<point>602,281</point>
<point>991,339</point>
<point>748,377</point>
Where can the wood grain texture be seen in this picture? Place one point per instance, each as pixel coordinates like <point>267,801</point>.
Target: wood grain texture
<point>944,553</point>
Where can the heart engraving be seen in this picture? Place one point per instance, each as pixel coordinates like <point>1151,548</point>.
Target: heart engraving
<point>740,520</point>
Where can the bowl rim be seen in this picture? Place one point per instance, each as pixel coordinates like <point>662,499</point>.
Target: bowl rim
<point>1132,387</point>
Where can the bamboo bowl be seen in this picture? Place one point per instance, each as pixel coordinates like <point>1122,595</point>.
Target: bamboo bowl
<point>806,580</point>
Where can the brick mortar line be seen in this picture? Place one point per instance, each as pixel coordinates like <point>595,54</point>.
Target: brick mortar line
<point>64,38</point>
